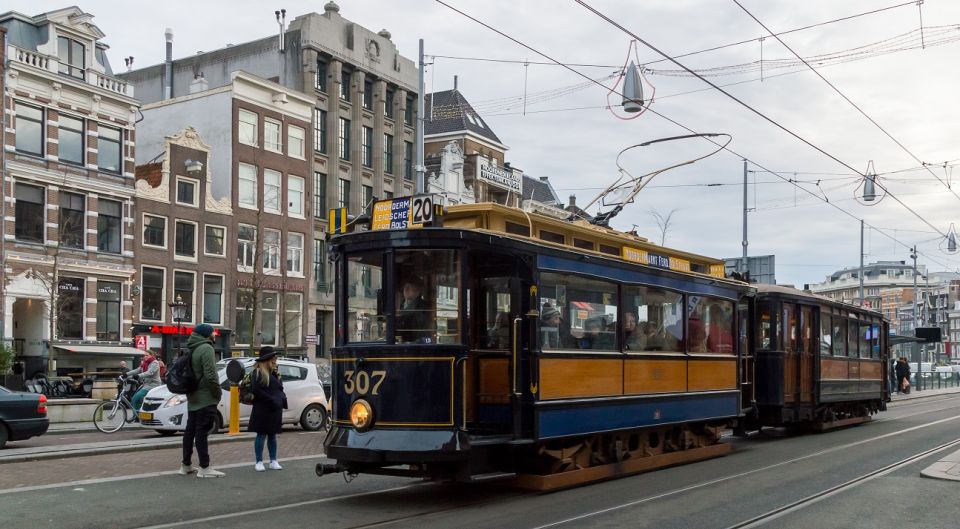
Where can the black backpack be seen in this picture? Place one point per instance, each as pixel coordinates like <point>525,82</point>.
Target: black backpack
<point>180,377</point>
<point>246,389</point>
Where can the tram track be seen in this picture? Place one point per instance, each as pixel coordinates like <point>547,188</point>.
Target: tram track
<point>769,516</point>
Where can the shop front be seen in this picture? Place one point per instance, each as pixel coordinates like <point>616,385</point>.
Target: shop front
<point>167,340</point>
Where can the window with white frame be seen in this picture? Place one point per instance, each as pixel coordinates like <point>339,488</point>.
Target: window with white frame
<point>109,149</point>
<point>73,231</point>
<point>29,213</point>
<point>271,250</point>
<point>295,186</point>
<point>295,141</point>
<point>292,318</point>
<point>271,190</point>
<point>151,293</point>
<point>214,240</point>
<point>268,318</point>
<point>246,245</point>
<point>108,311</point>
<point>185,239</point>
<point>244,316</point>
<point>29,129</point>
<point>295,254</point>
<point>72,57</point>
<point>272,136</point>
<point>247,186</point>
<point>187,194</point>
<point>109,229</point>
<point>213,299</point>
<point>70,140</point>
<point>183,287</point>
<point>247,127</point>
<point>154,231</point>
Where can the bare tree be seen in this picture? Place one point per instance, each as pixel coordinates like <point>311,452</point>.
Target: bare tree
<point>663,223</point>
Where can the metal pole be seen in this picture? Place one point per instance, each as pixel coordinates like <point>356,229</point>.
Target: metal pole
<point>745,243</point>
<point>926,314</point>
<point>420,168</point>
<point>913,254</point>
<point>861,262</point>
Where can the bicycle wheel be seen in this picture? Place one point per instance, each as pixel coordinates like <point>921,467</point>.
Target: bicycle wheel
<point>110,416</point>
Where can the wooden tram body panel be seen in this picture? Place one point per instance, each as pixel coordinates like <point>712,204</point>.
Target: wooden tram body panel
<point>464,409</point>
<point>806,371</point>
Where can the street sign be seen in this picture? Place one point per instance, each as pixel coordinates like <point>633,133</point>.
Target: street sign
<point>311,339</point>
<point>141,342</point>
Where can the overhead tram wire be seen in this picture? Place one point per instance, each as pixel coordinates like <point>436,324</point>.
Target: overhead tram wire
<point>688,129</point>
<point>755,111</point>
<point>844,96</point>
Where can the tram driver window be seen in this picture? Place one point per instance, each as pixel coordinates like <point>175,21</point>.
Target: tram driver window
<point>652,319</point>
<point>428,297</point>
<point>366,321</point>
<point>577,313</point>
<point>710,325</point>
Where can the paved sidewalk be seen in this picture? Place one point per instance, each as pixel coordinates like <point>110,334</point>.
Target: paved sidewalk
<point>915,394</point>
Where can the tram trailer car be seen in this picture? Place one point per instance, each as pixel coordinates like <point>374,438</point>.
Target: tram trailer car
<point>513,344</point>
<point>817,363</point>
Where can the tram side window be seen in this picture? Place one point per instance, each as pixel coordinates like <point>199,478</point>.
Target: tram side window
<point>765,326</point>
<point>839,335</point>
<point>710,325</point>
<point>826,336</point>
<point>428,296</point>
<point>865,349</point>
<point>853,339</point>
<point>577,313</point>
<point>366,321</point>
<point>790,325</point>
<point>806,333</point>
<point>494,313</point>
<point>875,340</point>
<point>652,319</point>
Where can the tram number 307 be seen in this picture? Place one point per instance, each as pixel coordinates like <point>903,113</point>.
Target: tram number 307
<point>361,382</point>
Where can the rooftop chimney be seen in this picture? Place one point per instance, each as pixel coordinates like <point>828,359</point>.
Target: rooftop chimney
<point>199,83</point>
<point>454,83</point>
<point>573,201</point>
<point>168,69</point>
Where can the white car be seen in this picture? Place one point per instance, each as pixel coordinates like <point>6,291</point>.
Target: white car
<point>166,412</point>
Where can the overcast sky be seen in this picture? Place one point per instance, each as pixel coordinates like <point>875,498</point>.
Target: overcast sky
<point>910,93</point>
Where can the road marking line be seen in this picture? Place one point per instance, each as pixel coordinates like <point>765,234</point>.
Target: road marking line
<point>281,507</point>
<point>135,476</point>
<point>740,475</point>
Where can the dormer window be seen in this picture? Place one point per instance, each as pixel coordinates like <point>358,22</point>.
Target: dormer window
<point>71,55</point>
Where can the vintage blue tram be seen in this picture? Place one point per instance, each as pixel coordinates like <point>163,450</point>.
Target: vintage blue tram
<point>512,343</point>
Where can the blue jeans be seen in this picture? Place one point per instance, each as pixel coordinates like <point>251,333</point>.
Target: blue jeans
<point>271,439</point>
<point>137,399</point>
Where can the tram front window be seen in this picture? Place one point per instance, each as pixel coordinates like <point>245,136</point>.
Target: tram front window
<point>428,297</point>
<point>365,319</point>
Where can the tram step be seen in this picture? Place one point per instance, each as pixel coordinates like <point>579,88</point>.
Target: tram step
<point>492,476</point>
<point>499,440</point>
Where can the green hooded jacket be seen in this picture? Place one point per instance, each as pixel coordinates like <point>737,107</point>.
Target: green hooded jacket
<point>205,368</point>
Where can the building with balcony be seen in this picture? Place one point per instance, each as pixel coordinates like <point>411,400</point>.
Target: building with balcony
<point>68,183</point>
<point>844,285</point>
<point>363,96</point>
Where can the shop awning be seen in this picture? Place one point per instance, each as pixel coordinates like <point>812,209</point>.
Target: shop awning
<point>106,350</point>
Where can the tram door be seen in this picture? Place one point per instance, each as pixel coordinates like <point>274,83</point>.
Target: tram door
<point>489,367</point>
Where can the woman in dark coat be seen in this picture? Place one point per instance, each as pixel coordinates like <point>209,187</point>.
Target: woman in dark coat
<point>903,374</point>
<point>266,418</point>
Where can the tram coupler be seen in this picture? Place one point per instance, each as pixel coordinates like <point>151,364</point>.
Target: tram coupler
<point>324,469</point>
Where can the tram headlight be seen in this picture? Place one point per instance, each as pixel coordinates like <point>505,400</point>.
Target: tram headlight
<point>361,415</point>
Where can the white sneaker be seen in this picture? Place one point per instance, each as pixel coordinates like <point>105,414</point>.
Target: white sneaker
<point>259,466</point>
<point>275,466</point>
<point>185,469</point>
<point>209,472</point>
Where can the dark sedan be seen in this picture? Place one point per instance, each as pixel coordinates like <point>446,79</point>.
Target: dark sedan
<point>22,415</point>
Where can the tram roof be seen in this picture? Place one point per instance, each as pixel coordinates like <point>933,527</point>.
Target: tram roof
<point>577,235</point>
<point>790,291</point>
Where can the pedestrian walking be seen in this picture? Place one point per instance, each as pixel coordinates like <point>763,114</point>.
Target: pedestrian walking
<point>149,375</point>
<point>201,404</point>
<point>903,375</point>
<point>269,401</point>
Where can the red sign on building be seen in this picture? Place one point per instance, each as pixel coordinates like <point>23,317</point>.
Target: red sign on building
<point>141,342</point>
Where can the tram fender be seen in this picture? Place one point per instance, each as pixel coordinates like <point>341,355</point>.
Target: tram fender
<point>397,446</point>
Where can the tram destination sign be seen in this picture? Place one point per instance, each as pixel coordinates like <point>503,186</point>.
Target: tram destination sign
<point>403,213</point>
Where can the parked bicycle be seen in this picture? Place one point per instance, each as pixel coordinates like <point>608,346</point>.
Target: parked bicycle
<point>111,415</point>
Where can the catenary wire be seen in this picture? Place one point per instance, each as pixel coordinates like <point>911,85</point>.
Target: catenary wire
<point>678,124</point>
<point>755,111</point>
<point>844,96</point>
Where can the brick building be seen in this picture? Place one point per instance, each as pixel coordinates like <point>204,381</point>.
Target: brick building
<point>67,194</point>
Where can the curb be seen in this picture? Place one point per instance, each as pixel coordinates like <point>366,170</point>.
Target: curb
<point>116,449</point>
<point>947,468</point>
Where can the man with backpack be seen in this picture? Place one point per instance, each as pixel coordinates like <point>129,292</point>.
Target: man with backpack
<point>201,403</point>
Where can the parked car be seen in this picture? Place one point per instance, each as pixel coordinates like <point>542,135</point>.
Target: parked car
<point>22,415</point>
<point>166,412</point>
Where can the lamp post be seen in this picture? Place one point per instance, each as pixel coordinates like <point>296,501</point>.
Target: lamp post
<point>179,309</point>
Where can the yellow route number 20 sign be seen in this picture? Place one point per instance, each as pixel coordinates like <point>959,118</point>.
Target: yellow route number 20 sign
<point>404,213</point>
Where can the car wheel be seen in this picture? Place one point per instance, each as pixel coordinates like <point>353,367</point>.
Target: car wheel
<point>217,425</point>
<point>313,418</point>
<point>166,433</point>
<point>4,435</point>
